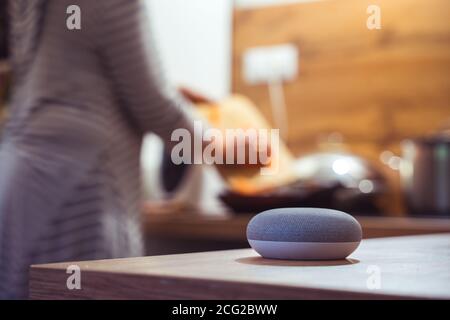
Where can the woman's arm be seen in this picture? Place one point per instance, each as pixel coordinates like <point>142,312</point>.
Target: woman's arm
<point>128,51</point>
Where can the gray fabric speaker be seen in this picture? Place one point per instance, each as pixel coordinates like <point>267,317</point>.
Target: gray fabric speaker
<point>304,234</point>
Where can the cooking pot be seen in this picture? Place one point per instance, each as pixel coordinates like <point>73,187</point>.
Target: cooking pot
<point>425,174</point>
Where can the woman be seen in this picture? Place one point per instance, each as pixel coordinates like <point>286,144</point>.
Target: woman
<point>69,159</point>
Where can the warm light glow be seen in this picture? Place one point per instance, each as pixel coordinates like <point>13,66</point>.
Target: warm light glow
<point>385,156</point>
<point>341,166</point>
<point>394,162</point>
<point>365,186</point>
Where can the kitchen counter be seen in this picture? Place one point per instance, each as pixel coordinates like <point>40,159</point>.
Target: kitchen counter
<point>229,227</point>
<point>406,267</point>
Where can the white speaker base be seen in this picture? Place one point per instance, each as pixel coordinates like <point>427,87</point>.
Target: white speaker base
<point>303,250</point>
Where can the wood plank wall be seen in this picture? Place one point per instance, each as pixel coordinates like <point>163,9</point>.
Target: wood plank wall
<point>374,87</point>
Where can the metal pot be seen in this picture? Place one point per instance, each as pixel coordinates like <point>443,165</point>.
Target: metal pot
<point>360,184</point>
<point>425,175</point>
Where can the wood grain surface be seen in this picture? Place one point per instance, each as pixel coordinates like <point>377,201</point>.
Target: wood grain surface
<point>409,267</point>
<point>372,87</point>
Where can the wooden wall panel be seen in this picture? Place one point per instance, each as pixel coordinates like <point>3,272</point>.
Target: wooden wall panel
<point>374,87</point>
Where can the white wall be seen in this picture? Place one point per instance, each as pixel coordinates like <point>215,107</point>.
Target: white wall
<point>194,39</point>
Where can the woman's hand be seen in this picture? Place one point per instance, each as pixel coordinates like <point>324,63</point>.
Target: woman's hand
<point>193,96</point>
<point>245,151</point>
<point>231,150</point>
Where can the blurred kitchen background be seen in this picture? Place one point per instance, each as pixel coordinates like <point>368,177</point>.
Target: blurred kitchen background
<point>364,113</point>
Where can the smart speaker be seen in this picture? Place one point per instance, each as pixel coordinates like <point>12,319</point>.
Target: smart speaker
<point>304,234</point>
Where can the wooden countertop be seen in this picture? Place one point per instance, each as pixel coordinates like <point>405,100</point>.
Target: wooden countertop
<point>409,267</point>
<point>228,227</point>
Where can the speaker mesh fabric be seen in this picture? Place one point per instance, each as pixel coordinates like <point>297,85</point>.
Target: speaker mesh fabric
<point>304,225</point>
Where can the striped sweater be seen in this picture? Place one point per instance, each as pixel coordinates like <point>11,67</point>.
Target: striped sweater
<point>69,157</point>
